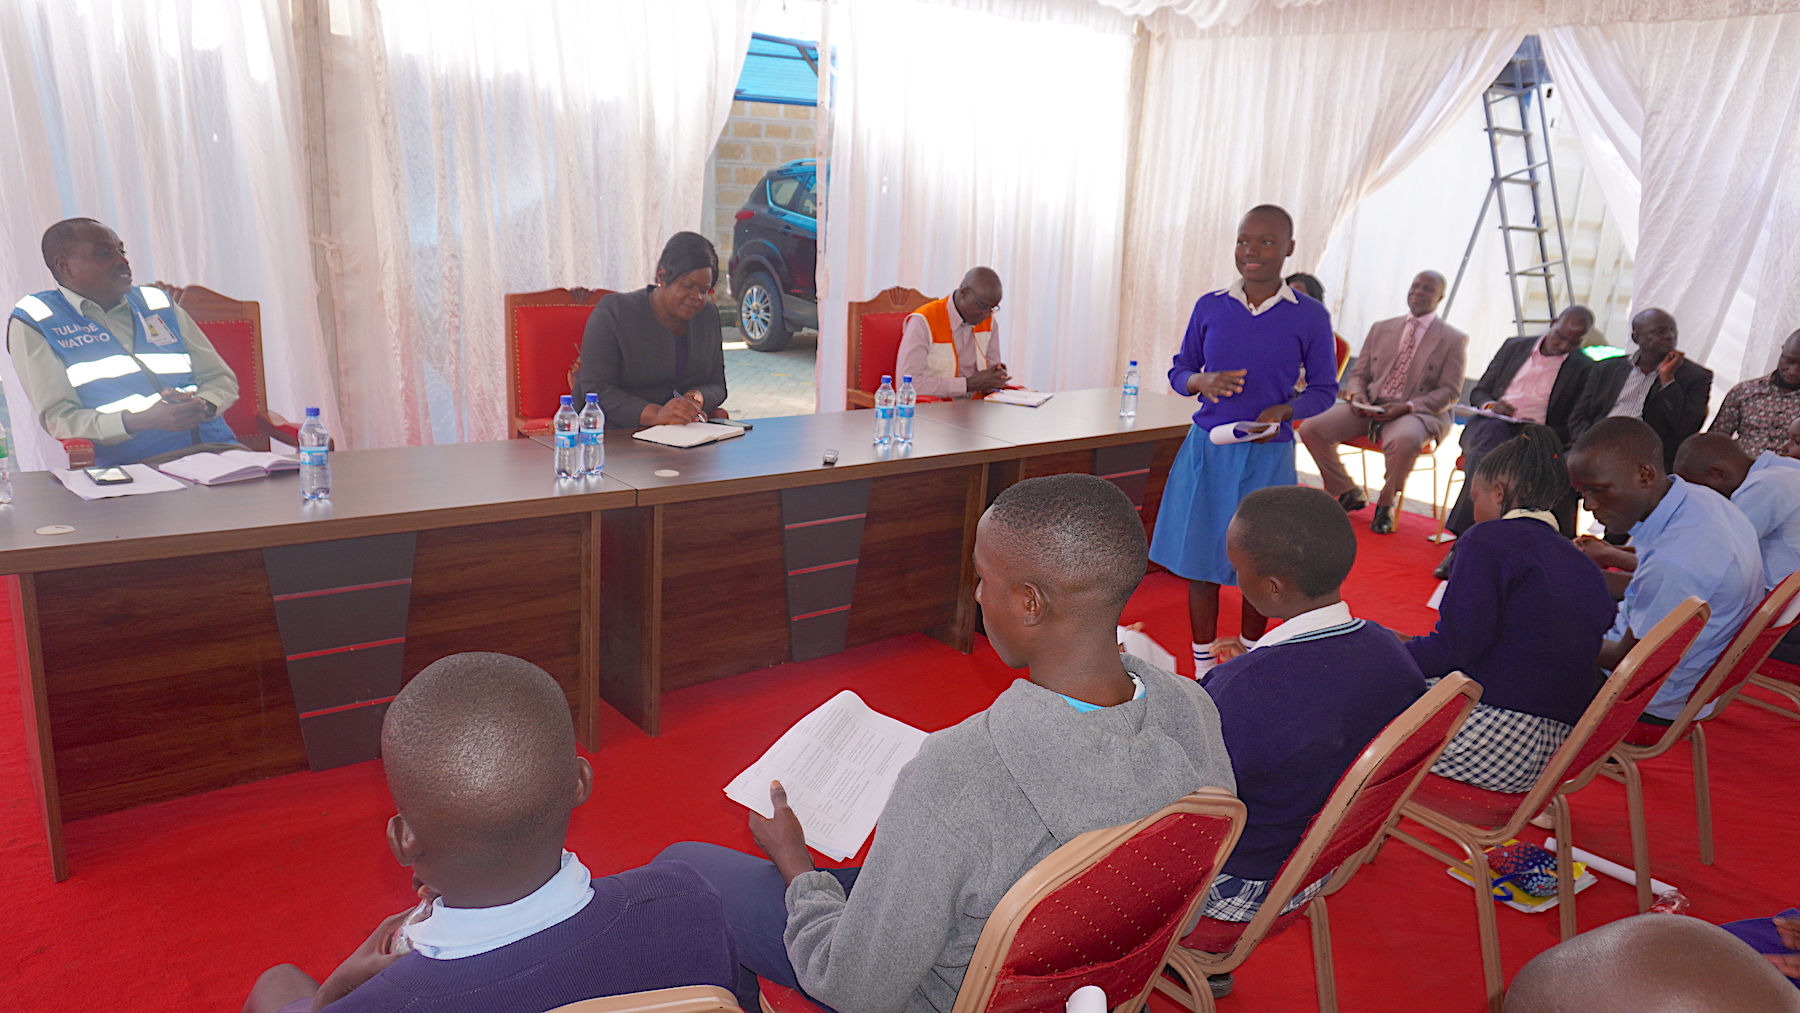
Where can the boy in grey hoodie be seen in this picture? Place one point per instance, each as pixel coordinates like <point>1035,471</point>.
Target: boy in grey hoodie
<point>1092,739</point>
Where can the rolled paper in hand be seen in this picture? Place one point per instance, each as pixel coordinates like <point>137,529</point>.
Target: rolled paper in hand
<point>1241,432</point>
<point>1087,999</point>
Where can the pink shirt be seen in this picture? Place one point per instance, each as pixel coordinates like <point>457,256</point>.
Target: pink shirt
<point>1529,392</point>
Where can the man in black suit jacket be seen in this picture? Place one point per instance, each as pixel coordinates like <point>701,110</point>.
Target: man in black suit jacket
<point>1502,385</point>
<point>1657,384</point>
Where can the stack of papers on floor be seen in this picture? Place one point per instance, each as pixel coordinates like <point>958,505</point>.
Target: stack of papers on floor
<point>228,466</point>
<point>144,480</point>
<point>691,435</point>
<point>838,765</point>
<point>1028,398</point>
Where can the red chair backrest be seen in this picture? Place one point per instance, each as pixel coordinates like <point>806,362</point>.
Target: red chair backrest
<point>1365,799</point>
<point>1623,714</point>
<point>239,344</point>
<point>546,341</point>
<point>880,348</point>
<point>1112,924</point>
<point>1770,614</point>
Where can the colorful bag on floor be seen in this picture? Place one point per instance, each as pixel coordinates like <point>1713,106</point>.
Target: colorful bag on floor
<point>1529,868</point>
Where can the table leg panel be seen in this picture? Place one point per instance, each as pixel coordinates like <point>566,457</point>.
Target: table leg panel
<point>724,588</point>
<point>914,551</point>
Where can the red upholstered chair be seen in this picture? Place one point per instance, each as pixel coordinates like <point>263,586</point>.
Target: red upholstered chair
<point>686,999</point>
<point>1477,819</point>
<point>1343,353</point>
<point>543,340</point>
<point>1103,909</point>
<point>1750,648</point>
<point>1365,799</point>
<point>874,330</point>
<point>1781,678</point>
<point>235,329</point>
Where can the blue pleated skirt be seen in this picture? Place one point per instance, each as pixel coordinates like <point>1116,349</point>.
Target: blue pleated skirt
<point>1206,483</point>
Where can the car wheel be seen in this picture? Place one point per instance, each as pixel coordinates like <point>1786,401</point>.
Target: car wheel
<point>760,315</point>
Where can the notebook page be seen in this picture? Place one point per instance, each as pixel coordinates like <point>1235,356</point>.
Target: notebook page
<point>838,765</point>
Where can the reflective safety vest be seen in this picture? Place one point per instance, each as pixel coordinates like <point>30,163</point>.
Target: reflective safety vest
<point>941,360</point>
<point>109,378</point>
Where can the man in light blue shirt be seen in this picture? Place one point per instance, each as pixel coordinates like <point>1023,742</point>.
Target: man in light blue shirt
<point>1689,540</point>
<point>1766,488</point>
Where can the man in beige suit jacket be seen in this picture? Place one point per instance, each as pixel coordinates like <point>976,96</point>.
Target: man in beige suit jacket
<point>1409,373</point>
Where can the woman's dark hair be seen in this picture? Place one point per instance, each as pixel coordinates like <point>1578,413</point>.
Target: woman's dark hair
<point>1308,284</point>
<point>685,253</point>
<point>1532,466</point>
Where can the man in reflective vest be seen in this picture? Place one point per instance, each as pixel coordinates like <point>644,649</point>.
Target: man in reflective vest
<point>949,346</point>
<point>117,365</point>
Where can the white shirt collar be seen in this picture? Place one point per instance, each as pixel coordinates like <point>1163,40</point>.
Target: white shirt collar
<point>956,318</point>
<point>452,932</point>
<point>1424,321</point>
<point>1537,515</point>
<point>1284,293</point>
<point>1336,614</point>
<point>76,299</point>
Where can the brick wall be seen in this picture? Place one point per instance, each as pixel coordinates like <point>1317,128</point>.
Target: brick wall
<point>758,137</point>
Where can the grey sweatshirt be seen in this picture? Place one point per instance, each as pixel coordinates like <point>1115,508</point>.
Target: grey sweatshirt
<point>983,802</point>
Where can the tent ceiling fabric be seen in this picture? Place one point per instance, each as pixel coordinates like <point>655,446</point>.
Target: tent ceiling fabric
<point>1312,17</point>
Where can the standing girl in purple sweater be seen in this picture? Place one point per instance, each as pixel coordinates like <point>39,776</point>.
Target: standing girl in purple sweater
<point>1244,348</point>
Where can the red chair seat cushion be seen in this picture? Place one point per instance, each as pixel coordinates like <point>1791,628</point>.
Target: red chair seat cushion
<point>1215,936</point>
<point>1465,802</point>
<point>1643,733</point>
<point>1780,671</point>
<point>786,1000</point>
<point>534,427</point>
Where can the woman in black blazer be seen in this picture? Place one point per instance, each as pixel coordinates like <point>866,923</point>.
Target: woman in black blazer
<point>654,355</point>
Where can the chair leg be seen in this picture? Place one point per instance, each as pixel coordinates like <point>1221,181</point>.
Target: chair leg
<point>1640,834</point>
<point>1193,991</point>
<point>1565,867</point>
<point>1702,792</point>
<point>1323,971</point>
<point>1487,926</point>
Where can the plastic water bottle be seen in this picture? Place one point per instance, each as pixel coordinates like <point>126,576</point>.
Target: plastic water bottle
<point>5,468</point>
<point>315,458</point>
<point>1128,397</point>
<point>903,416</point>
<point>884,411</point>
<point>593,437</point>
<point>566,426</point>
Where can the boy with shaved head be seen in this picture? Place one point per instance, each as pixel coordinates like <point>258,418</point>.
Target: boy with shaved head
<point>1090,739</point>
<point>480,757</point>
<point>1689,540</point>
<point>1767,490</point>
<point>1652,963</point>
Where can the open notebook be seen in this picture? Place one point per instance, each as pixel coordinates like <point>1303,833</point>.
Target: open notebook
<point>691,435</point>
<point>228,466</point>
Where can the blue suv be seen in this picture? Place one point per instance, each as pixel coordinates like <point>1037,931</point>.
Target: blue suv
<point>775,256</point>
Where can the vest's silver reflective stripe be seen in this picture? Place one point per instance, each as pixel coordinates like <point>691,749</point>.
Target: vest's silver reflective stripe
<point>134,403</point>
<point>101,369</point>
<point>154,298</point>
<point>35,308</point>
<point>166,363</point>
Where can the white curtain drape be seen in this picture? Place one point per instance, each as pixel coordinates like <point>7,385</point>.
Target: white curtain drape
<point>477,149</point>
<point>960,138</point>
<point>1312,123</point>
<point>176,123</point>
<point>1702,119</point>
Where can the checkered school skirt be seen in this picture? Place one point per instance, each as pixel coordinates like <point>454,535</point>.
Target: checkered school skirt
<point>1231,899</point>
<point>1500,749</point>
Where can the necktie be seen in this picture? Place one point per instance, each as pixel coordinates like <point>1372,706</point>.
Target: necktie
<point>1393,387</point>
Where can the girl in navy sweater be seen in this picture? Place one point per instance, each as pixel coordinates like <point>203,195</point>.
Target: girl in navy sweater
<point>1244,348</point>
<point>1524,614</point>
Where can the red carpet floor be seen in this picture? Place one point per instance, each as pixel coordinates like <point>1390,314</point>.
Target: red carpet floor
<point>178,906</point>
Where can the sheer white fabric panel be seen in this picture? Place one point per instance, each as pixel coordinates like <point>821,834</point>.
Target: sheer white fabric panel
<point>1717,160</point>
<point>1312,123</point>
<point>961,138</point>
<point>176,123</point>
<point>481,148</point>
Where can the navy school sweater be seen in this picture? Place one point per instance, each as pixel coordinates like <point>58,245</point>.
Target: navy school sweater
<point>1295,716</point>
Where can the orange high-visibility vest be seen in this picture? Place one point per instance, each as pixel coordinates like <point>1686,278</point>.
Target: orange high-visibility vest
<point>942,360</point>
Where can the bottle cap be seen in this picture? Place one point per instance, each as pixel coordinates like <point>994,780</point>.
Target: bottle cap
<point>1134,362</point>
<point>885,378</point>
<point>593,398</point>
<point>312,413</point>
<point>568,399</point>
<point>906,379</point>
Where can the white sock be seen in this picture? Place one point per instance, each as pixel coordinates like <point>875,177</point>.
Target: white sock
<point>1246,641</point>
<point>1203,659</point>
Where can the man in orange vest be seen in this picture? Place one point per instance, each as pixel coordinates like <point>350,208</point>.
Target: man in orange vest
<point>949,346</point>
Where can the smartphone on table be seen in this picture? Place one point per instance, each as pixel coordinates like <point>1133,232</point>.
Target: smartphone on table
<point>109,476</point>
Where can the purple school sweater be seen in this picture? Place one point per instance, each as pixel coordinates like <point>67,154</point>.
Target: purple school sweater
<point>1295,716</point>
<point>656,926</point>
<point>1524,615</point>
<point>1272,346</point>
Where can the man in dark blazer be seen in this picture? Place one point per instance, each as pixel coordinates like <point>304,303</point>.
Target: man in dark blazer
<point>1399,393</point>
<point>1657,383</point>
<point>1531,379</point>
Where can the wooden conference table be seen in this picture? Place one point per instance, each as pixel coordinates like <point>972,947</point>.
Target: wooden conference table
<point>177,643</point>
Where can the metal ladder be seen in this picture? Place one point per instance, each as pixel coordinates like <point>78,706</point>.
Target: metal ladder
<point>1521,86</point>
